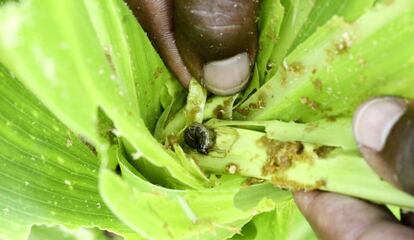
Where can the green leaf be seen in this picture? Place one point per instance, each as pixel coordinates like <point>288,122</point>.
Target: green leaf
<point>48,175</point>
<point>220,107</point>
<point>299,228</point>
<point>76,56</point>
<point>196,101</point>
<point>271,16</point>
<point>302,18</point>
<point>54,232</point>
<point>160,213</point>
<point>297,165</point>
<point>274,224</point>
<point>318,132</point>
<point>339,67</point>
<point>284,222</point>
<point>323,11</point>
<point>296,13</point>
<point>92,66</point>
<point>131,56</point>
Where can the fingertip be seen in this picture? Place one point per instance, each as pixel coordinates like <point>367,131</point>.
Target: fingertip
<point>217,41</point>
<point>335,216</point>
<point>374,120</point>
<point>227,76</point>
<point>384,130</point>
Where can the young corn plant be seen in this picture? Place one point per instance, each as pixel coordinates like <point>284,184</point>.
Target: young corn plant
<point>92,123</point>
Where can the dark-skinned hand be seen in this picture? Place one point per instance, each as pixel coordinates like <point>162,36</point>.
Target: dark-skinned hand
<point>215,42</point>
<point>384,130</point>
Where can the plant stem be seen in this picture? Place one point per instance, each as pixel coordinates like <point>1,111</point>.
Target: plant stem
<point>298,166</point>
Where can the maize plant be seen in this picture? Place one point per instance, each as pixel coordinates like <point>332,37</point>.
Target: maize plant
<point>98,139</point>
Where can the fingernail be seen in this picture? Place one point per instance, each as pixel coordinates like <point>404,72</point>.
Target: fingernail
<point>384,129</point>
<point>375,119</point>
<point>228,76</point>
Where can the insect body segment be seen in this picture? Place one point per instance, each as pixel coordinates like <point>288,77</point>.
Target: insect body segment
<point>199,137</point>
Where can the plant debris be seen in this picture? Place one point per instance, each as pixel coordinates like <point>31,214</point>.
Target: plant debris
<point>280,155</point>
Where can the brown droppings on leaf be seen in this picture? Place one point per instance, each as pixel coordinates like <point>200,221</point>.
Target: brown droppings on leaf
<point>344,44</point>
<point>270,35</point>
<point>280,155</point>
<point>218,112</point>
<point>296,67</point>
<point>252,181</point>
<point>310,103</point>
<point>285,69</point>
<point>228,103</point>
<point>339,47</point>
<point>191,115</point>
<point>170,141</point>
<point>323,151</point>
<point>317,83</point>
<point>243,111</point>
<point>259,104</point>
<point>311,126</point>
<point>283,76</point>
<point>331,118</point>
<point>292,185</point>
<point>89,145</point>
<point>158,72</point>
<point>108,56</point>
<point>300,148</point>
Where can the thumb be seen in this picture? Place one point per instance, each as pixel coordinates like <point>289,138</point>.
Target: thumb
<point>217,40</point>
<point>384,130</point>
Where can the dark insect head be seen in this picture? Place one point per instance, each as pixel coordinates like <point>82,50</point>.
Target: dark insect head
<point>199,137</point>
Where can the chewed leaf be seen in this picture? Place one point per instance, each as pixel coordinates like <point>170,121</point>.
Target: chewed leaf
<point>296,13</point>
<point>318,132</point>
<point>297,165</point>
<point>196,101</point>
<point>301,19</point>
<point>220,107</point>
<point>47,175</point>
<point>339,67</point>
<point>90,84</point>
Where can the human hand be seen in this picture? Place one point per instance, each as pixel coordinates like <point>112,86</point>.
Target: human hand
<point>215,41</point>
<point>201,38</point>
<point>384,130</point>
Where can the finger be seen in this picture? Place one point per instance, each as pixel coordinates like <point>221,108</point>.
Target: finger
<point>334,216</point>
<point>384,129</point>
<point>217,40</point>
<point>155,17</point>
